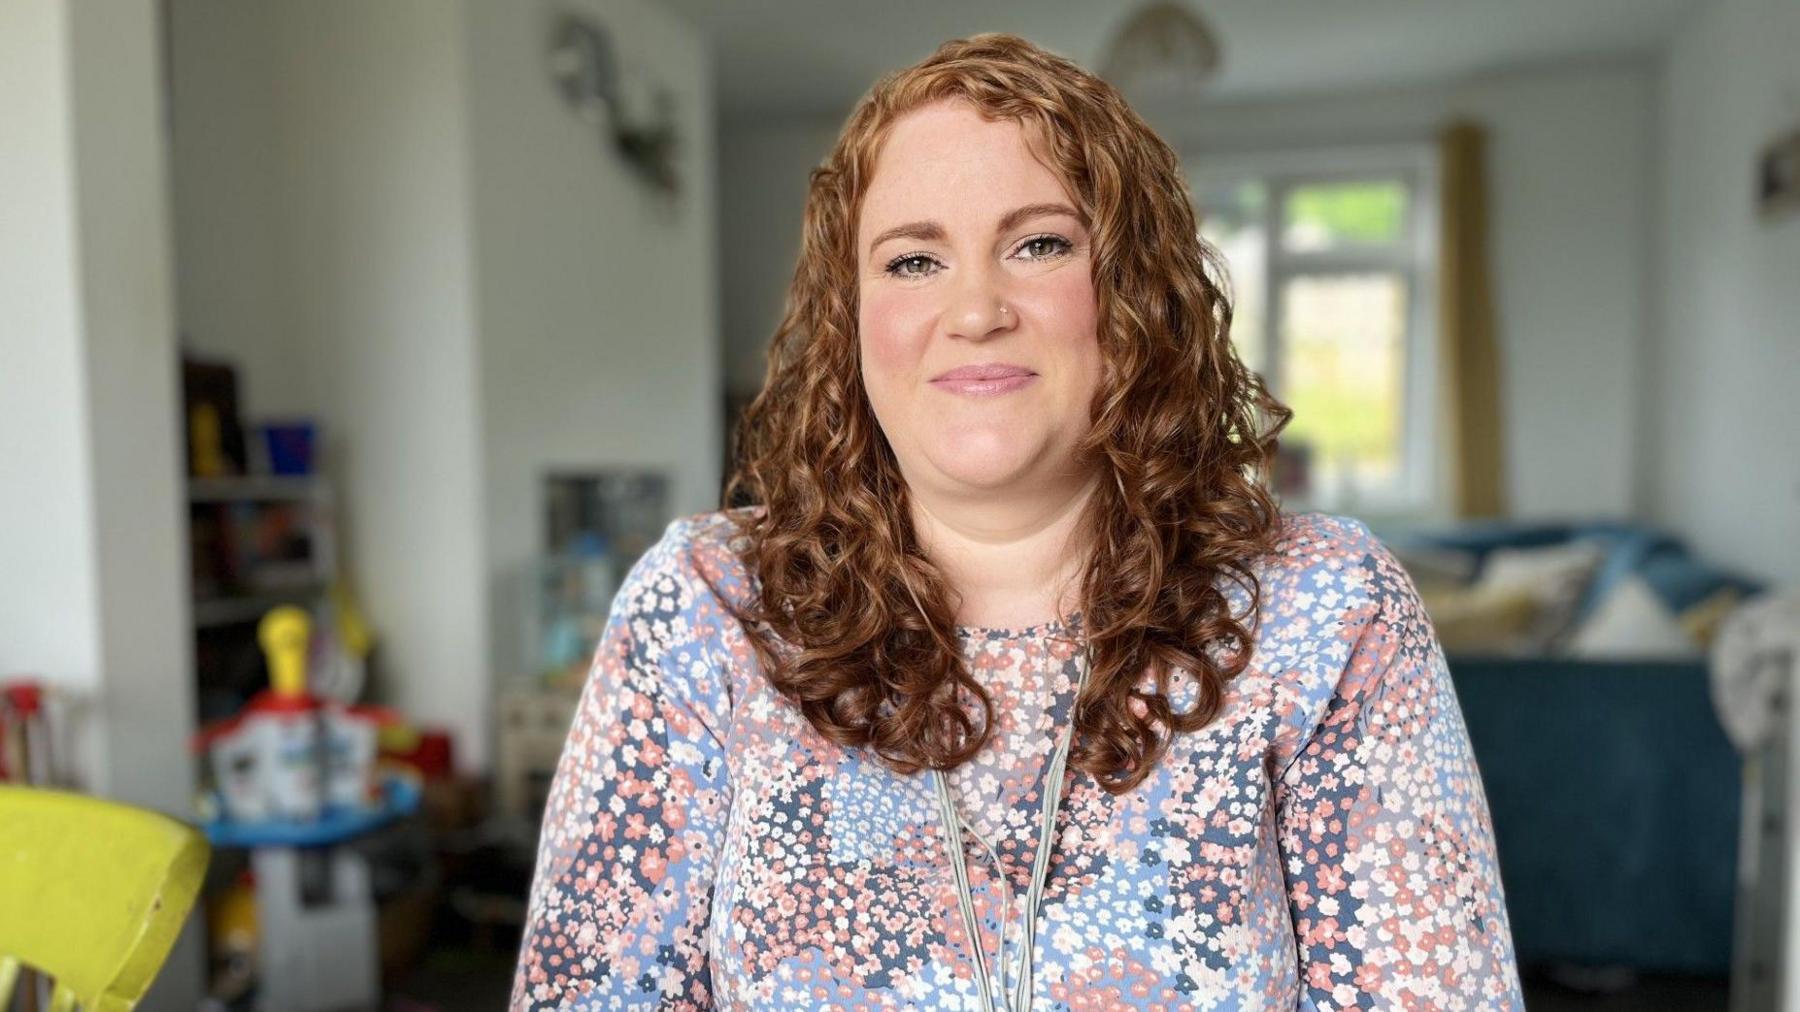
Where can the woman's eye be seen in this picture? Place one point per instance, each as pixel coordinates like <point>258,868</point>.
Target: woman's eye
<point>897,266</point>
<point>1049,245</point>
<point>921,265</point>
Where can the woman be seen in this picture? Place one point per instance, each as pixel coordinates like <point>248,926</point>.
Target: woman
<point>1006,550</point>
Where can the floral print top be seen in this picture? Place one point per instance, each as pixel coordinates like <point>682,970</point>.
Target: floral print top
<point>1324,843</point>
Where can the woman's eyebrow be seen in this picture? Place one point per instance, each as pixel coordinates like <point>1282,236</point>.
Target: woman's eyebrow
<point>931,231</point>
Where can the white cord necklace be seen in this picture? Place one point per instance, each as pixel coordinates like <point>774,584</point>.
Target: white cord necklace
<point>1018,1000</point>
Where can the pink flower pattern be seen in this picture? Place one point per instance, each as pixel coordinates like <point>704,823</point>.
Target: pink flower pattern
<point>1324,843</point>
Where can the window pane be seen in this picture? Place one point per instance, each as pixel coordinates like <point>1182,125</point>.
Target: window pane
<point>1232,218</point>
<point>1319,216</point>
<point>1343,366</point>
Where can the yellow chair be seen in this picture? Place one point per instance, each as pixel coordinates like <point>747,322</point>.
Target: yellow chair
<point>92,893</point>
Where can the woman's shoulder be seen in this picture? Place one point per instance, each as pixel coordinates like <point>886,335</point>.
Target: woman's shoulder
<point>1310,549</point>
<point>692,566</point>
<point>1316,552</point>
<point>707,542</point>
<point>1337,611</point>
<point>1328,583</point>
<point>1310,537</point>
<point>1317,560</point>
<point>671,607</point>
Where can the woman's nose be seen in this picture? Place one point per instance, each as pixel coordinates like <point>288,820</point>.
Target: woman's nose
<point>979,309</point>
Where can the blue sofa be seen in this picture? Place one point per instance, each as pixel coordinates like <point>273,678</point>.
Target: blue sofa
<point>1615,793</point>
<point>1615,798</point>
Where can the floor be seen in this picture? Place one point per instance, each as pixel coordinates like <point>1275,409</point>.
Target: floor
<point>1646,994</point>
<point>455,980</point>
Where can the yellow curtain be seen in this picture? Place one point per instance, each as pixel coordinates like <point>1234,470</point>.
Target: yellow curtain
<point>1470,377</point>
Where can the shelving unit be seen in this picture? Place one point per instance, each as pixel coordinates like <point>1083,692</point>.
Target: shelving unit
<point>256,541</point>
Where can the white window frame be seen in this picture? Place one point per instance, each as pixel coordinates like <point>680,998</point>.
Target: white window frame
<point>1420,493</point>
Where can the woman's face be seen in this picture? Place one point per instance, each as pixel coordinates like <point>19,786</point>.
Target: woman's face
<point>959,221</point>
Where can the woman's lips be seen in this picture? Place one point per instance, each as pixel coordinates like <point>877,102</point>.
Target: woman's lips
<point>984,387</point>
<point>984,380</point>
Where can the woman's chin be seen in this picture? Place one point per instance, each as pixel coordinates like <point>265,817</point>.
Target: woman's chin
<point>984,464</point>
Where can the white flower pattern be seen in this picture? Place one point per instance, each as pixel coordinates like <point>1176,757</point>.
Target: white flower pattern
<point>1323,844</point>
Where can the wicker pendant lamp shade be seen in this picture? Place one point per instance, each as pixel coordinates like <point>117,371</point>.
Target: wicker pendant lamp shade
<point>1165,52</point>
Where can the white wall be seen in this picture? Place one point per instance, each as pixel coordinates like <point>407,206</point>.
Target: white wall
<point>229,123</point>
<point>49,609</point>
<point>1722,403</point>
<point>95,590</point>
<point>91,538</point>
<point>1569,177</point>
<point>598,299</point>
<point>1570,183</point>
<point>464,283</point>
<point>139,503</point>
<point>323,221</point>
<point>373,162</point>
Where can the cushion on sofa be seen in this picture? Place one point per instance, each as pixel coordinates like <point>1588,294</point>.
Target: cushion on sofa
<point>1555,576</point>
<point>1633,622</point>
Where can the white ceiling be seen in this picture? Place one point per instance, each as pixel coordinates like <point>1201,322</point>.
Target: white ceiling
<point>779,57</point>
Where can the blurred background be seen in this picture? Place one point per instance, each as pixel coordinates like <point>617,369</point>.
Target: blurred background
<point>426,316</point>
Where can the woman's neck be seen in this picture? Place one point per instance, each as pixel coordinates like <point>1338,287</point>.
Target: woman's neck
<point>1012,561</point>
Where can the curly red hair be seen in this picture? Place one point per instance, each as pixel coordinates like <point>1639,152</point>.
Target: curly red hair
<point>850,619</point>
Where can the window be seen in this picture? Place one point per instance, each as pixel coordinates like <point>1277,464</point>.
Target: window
<point>1331,257</point>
